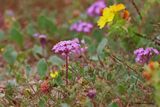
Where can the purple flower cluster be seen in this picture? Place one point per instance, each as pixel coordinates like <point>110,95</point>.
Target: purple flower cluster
<point>66,48</point>
<point>144,55</point>
<point>82,27</point>
<point>91,93</point>
<point>96,8</point>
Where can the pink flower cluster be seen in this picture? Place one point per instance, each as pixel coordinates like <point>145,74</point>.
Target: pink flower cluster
<point>80,26</point>
<point>68,47</point>
<point>96,8</point>
<point>144,55</point>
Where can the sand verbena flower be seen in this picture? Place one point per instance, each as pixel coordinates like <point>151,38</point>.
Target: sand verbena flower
<point>67,48</point>
<point>144,55</point>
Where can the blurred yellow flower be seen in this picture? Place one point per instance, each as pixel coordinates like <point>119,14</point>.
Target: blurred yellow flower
<point>2,50</point>
<point>108,14</point>
<point>54,74</point>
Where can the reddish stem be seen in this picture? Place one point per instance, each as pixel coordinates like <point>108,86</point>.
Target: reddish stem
<point>66,69</point>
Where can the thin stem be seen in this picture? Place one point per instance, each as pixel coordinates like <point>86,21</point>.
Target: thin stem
<point>136,7</point>
<point>154,40</point>
<point>66,69</point>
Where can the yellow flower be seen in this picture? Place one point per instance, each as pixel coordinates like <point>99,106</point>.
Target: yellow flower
<point>2,50</point>
<point>108,14</point>
<point>54,75</point>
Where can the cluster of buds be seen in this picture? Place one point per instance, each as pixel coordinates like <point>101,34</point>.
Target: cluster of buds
<point>152,71</point>
<point>152,75</point>
<point>44,87</point>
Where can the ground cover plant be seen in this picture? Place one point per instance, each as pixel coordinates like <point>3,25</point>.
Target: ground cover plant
<point>79,53</point>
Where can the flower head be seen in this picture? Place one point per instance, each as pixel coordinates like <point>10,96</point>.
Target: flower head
<point>96,8</point>
<point>82,27</point>
<point>44,87</point>
<point>151,70</point>
<point>109,14</point>
<point>42,38</point>
<point>126,15</point>
<point>68,47</point>
<point>144,55</point>
<point>54,74</point>
<point>91,93</point>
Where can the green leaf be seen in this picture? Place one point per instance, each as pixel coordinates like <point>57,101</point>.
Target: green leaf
<point>16,25</point>
<point>42,103</point>
<point>16,36</point>
<point>122,88</point>
<point>28,70</point>
<point>42,68</point>
<point>37,50</point>
<point>64,105</point>
<point>10,55</point>
<point>30,29</point>
<point>55,60</point>
<point>109,76</point>
<point>88,103</point>
<point>94,58</point>
<point>45,23</point>
<point>101,46</point>
<point>113,105</point>
<point>98,35</point>
<point>1,35</point>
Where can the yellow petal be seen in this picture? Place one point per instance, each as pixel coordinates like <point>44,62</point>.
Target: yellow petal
<point>105,19</point>
<point>101,22</point>
<point>119,7</point>
<point>110,17</point>
<point>108,14</point>
<point>106,11</point>
<point>54,75</point>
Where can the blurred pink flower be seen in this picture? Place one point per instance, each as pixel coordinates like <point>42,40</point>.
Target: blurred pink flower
<point>68,47</point>
<point>96,8</point>
<point>80,26</point>
<point>42,38</point>
<point>91,93</point>
<point>144,55</point>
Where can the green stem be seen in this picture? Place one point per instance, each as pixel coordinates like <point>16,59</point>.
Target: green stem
<point>66,69</point>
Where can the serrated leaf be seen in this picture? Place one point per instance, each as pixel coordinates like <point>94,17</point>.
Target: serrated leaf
<point>42,68</point>
<point>121,88</point>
